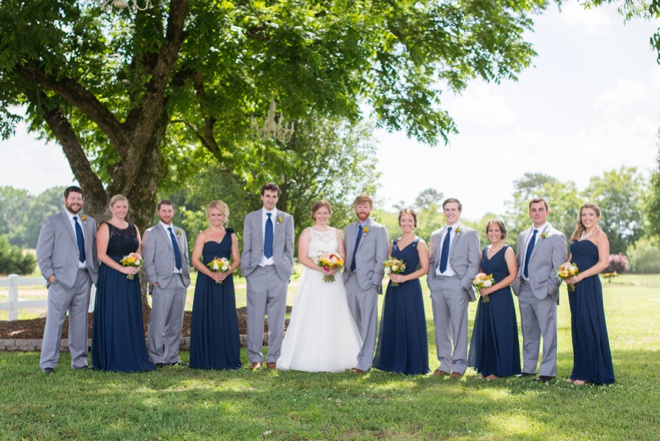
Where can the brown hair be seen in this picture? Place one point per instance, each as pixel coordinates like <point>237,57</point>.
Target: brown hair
<point>448,200</point>
<point>500,224</point>
<point>165,202</point>
<point>363,199</point>
<point>580,229</point>
<point>536,201</point>
<point>317,206</point>
<point>218,205</point>
<point>409,211</point>
<point>72,189</point>
<point>271,186</point>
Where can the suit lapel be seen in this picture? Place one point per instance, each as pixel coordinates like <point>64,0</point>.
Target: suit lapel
<point>539,240</point>
<point>367,225</point>
<point>454,242</point>
<point>166,235</point>
<point>67,225</point>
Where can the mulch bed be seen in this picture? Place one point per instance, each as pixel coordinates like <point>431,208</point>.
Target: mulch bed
<point>34,329</point>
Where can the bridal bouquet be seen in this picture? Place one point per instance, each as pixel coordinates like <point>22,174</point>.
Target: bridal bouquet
<point>328,261</point>
<point>566,271</point>
<point>394,266</point>
<point>219,265</point>
<point>483,281</point>
<point>134,260</point>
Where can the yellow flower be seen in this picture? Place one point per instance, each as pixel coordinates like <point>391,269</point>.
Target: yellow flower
<point>365,230</point>
<point>458,230</point>
<point>544,235</point>
<point>178,232</point>
<point>279,219</point>
<point>83,218</point>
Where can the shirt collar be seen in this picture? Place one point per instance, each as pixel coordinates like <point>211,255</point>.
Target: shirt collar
<point>165,225</point>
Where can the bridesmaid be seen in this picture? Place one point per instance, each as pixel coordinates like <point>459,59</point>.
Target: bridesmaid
<point>118,341</point>
<point>214,339</point>
<point>403,344</point>
<point>590,250</point>
<point>494,349</point>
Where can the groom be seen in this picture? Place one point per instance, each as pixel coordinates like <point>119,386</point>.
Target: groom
<point>167,267</point>
<point>267,265</point>
<point>66,251</point>
<point>366,243</point>
<point>454,263</point>
<point>541,251</point>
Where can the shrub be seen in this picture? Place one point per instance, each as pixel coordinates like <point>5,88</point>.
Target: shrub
<point>618,263</point>
<point>13,261</point>
<point>645,257</point>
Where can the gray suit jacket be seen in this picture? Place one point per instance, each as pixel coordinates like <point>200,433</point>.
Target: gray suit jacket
<point>57,249</point>
<point>371,253</point>
<point>253,244</point>
<point>158,255</point>
<point>464,257</point>
<point>548,255</point>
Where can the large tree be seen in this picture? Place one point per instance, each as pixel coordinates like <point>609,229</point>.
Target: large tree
<point>128,94</point>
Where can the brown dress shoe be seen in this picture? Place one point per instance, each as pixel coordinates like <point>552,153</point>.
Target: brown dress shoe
<point>456,376</point>
<point>271,365</point>
<point>256,365</point>
<point>357,371</point>
<point>439,373</point>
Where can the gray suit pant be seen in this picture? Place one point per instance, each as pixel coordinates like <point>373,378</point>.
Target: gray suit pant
<point>60,300</point>
<point>450,305</point>
<point>538,318</point>
<point>266,295</point>
<point>364,307</point>
<point>166,321</point>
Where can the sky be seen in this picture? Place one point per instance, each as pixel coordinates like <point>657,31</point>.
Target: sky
<point>590,103</point>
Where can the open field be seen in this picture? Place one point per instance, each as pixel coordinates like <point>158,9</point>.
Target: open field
<point>182,404</point>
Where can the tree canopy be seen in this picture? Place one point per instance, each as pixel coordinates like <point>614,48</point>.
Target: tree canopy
<point>128,95</point>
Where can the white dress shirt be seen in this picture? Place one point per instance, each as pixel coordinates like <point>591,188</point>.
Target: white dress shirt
<point>79,215</point>
<point>449,271</point>
<point>264,217</point>
<point>166,226</point>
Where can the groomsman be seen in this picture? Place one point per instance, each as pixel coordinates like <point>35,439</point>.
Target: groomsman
<point>366,243</point>
<point>454,263</point>
<point>167,267</point>
<point>541,250</point>
<point>267,265</point>
<point>66,251</point>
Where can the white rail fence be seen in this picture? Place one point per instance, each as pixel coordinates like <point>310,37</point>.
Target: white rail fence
<point>14,303</point>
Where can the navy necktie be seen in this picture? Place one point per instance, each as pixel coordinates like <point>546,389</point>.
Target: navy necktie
<point>268,237</point>
<point>444,257</point>
<point>175,248</point>
<point>80,239</point>
<point>530,248</point>
<point>357,242</point>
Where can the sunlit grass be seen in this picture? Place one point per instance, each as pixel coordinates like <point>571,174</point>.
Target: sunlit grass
<point>183,404</point>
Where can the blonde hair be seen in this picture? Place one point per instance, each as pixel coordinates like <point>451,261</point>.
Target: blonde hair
<point>218,205</point>
<point>116,198</point>
<point>580,229</point>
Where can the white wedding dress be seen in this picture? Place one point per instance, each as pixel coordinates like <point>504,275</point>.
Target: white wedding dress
<point>322,336</point>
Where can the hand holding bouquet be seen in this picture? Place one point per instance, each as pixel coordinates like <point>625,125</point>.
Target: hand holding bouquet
<point>134,260</point>
<point>483,281</point>
<point>330,261</point>
<point>394,266</point>
<point>566,271</point>
<point>219,265</point>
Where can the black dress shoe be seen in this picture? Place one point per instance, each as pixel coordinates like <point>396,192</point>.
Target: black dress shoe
<point>543,378</point>
<point>48,371</point>
<point>524,375</point>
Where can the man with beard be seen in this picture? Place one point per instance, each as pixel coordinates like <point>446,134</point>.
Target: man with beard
<point>366,243</point>
<point>66,252</point>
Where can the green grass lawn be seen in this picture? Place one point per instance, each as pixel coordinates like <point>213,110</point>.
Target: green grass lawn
<point>182,404</point>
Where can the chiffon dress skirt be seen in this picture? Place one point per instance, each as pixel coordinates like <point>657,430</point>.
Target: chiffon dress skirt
<point>592,358</point>
<point>494,348</point>
<point>403,342</point>
<point>214,339</point>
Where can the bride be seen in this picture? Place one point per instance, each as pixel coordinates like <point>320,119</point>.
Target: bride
<point>322,336</point>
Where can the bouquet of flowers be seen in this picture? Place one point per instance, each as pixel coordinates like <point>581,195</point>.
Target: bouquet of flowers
<point>483,281</point>
<point>566,271</point>
<point>330,260</point>
<point>219,265</point>
<point>394,266</point>
<point>134,260</point>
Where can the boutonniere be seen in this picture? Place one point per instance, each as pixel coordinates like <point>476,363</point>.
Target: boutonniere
<point>365,230</point>
<point>458,230</point>
<point>84,219</point>
<point>279,219</point>
<point>544,235</point>
<point>178,232</point>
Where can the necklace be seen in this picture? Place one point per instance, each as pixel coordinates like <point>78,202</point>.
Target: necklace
<point>586,235</point>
